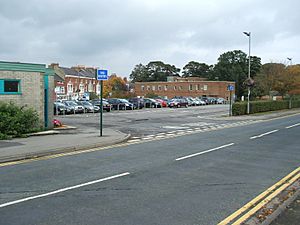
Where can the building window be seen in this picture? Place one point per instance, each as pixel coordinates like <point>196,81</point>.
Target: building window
<point>62,90</point>
<point>10,86</point>
<point>180,87</point>
<point>166,87</point>
<point>148,88</point>
<point>205,87</point>
<point>175,88</point>
<point>190,87</point>
<point>70,88</point>
<point>159,87</point>
<point>81,87</point>
<point>98,89</point>
<point>197,87</point>
<point>142,88</point>
<point>153,88</point>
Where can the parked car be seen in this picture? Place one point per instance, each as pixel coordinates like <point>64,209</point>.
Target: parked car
<point>105,104</point>
<point>177,103</point>
<point>137,102</point>
<point>88,107</point>
<point>162,102</point>
<point>61,109</point>
<point>151,103</point>
<point>221,101</point>
<point>120,104</point>
<point>76,108</point>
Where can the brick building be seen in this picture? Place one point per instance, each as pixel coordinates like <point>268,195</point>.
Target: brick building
<point>28,85</point>
<point>186,87</point>
<point>75,82</point>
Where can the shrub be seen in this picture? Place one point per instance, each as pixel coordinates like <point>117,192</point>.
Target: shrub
<point>240,108</point>
<point>16,121</point>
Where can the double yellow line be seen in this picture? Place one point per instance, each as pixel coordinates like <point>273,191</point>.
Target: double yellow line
<point>257,203</point>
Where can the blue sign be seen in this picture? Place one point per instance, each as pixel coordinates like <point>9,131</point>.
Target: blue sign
<point>230,87</point>
<point>102,75</point>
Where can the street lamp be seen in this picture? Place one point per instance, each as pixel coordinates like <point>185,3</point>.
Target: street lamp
<point>248,103</point>
<point>290,59</point>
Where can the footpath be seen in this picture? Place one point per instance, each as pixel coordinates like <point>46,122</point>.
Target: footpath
<point>62,140</point>
<point>69,139</point>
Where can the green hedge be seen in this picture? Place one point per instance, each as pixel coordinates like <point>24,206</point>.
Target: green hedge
<point>240,108</point>
<point>16,121</point>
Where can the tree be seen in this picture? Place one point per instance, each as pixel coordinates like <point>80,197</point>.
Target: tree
<point>153,71</point>
<point>233,66</point>
<point>266,79</point>
<point>288,80</point>
<point>115,87</point>
<point>159,71</point>
<point>140,73</point>
<point>196,69</point>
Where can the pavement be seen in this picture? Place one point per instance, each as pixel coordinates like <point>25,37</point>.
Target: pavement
<point>61,140</point>
<point>68,139</point>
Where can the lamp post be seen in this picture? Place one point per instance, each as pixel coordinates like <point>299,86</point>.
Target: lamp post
<point>290,59</point>
<point>248,102</point>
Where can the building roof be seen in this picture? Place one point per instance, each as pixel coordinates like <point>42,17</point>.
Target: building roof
<point>79,72</point>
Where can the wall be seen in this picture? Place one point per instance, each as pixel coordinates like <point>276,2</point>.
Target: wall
<point>32,86</point>
<point>199,88</point>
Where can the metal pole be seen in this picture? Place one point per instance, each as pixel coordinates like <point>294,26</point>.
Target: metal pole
<point>230,104</point>
<point>101,106</point>
<point>249,91</point>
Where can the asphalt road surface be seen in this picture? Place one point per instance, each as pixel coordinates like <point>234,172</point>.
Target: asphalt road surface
<point>199,178</point>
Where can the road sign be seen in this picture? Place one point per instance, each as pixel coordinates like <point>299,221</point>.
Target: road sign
<point>102,75</point>
<point>230,87</point>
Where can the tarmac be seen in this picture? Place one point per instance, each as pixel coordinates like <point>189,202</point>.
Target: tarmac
<point>69,139</point>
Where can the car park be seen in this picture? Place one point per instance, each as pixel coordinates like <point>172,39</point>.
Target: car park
<point>151,103</point>
<point>105,104</point>
<point>137,102</point>
<point>61,109</point>
<point>162,102</point>
<point>221,101</point>
<point>120,104</point>
<point>76,108</point>
<point>89,107</point>
<point>177,103</point>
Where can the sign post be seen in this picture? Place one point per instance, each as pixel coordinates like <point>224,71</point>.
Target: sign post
<point>101,75</point>
<point>230,88</point>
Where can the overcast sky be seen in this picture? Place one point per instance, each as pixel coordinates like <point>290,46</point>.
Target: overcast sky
<point>118,34</point>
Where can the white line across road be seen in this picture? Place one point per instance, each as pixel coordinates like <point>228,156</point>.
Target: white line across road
<point>207,151</point>
<point>264,134</point>
<point>295,125</point>
<point>63,190</point>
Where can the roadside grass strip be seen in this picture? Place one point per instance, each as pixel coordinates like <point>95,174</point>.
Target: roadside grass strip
<point>63,190</point>
<point>249,209</point>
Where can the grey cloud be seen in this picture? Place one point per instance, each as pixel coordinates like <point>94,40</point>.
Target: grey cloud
<point>121,33</point>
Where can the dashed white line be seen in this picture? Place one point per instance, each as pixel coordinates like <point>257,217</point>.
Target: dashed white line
<point>264,134</point>
<point>295,125</point>
<point>201,153</point>
<point>63,190</point>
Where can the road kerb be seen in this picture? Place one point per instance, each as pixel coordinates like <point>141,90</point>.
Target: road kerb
<point>254,205</point>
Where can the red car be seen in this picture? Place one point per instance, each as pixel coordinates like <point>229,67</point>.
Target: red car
<point>162,102</point>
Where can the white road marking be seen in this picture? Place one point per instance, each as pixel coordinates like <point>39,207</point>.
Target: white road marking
<point>136,140</point>
<point>63,190</point>
<point>174,127</point>
<point>264,134</point>
<point>207,151</point>
<point>295,125</point>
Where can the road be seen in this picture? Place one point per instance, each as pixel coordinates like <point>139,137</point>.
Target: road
<point>141,123</point>
<point>190,178</point>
